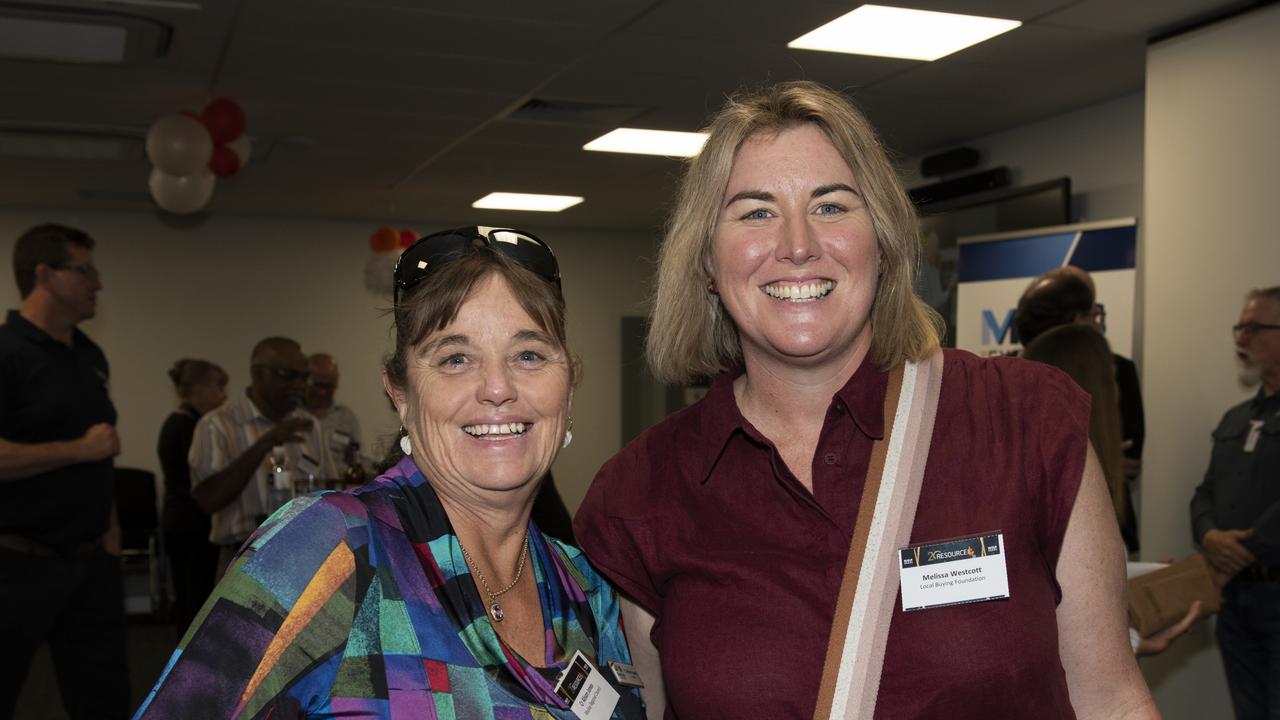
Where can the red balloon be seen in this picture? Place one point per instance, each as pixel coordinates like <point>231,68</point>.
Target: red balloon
<point>384,239</point>
<point>224,161</point>
<point>407,238</point>
<point>224,119</point>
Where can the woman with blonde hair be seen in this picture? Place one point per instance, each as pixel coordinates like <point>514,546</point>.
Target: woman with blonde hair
<point>193,561</point>
<point>762,533</point>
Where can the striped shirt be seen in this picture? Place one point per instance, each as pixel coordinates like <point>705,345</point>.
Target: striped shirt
<point>225,434</point>
<point>341,420</point>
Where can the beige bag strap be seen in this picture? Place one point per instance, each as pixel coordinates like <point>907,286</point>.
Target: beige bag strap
<point>855,650</point>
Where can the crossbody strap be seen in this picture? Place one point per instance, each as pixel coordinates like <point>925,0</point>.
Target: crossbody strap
<point>869,590</point>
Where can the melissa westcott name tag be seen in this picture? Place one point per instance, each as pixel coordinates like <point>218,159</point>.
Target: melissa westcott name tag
<point>588,694</point>
<point>953,572</point>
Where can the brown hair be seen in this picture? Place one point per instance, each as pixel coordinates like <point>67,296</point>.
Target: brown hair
<point>435,302</point>
<point>44,245</point>
<point>1055,298</point>
<point>1083,353</point>
<point>691,335</point>
<point>188,373</point>
<point>1269,293</point>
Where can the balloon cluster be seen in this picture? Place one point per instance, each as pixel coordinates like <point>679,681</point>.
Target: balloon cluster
<point>386,243</point>
<point>190,152</point>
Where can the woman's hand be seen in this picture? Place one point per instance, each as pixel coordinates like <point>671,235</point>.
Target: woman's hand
<point>1159,642</point>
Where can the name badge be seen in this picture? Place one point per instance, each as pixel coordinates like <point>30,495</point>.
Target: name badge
<point>625,674</point>
<point>588,694</point>
<point>1255,430</point>
<point>339,441</point>
<point>953,572</point>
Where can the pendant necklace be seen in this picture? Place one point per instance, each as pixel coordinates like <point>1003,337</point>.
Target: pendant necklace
<point>495,609</point>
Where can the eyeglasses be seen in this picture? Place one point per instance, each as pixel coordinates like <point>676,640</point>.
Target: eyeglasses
<point>286,374</point>
<point>1252,328</point>
<point>1099,317</point>
<point>437,249</point>
<point>90,272</point>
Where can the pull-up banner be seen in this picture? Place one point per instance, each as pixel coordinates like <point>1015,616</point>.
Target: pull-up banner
<point>995,269</point>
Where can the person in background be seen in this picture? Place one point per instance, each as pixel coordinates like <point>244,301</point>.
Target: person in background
<point>193,560</point>
<point>256,445</point>
<point>1067,295</point>
<point>60,579</point>
<point>339,426</point>
<point>1083,353</point>
<point>1235,515</point>
<point>429,592</point>
<point>786,273</point>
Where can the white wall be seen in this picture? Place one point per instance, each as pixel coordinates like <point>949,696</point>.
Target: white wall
<point>215,289</point>
<point>1099,147</point>
<point>1213,110</point>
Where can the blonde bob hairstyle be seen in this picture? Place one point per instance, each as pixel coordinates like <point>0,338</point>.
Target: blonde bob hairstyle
<point>691,336</point>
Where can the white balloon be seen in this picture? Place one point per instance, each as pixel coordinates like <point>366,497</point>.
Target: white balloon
<point>242,147</point>
<point>181,194</point>
<point>179,145</point>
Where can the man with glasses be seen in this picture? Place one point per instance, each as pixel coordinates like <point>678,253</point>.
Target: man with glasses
<point>1235,514</point>
<point>59,543</point>
<point>248,456</point>
<point>339,426</point>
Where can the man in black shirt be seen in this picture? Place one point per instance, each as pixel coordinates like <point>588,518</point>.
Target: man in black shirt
<point>1235,515</point>
<point>59,568</point>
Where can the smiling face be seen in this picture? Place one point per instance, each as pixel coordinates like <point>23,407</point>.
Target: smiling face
<point>487,399</point>
<point>794,253</point>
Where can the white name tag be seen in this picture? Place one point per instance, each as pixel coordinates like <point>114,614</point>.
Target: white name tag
<point>1255,430</point>
<point>588,694</point>
<point>953,572</point>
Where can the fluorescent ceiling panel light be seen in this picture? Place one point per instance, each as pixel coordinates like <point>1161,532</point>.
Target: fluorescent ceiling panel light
<point>649,142</point>
<point>901,33</point>
<point>61,146</point>
<point>526,201</point>
<point>34,39</point>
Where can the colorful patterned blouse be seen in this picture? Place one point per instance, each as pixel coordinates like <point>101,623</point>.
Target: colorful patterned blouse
<point>359,604</point>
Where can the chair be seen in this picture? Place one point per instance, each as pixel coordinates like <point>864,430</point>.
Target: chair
<point>139,519</point>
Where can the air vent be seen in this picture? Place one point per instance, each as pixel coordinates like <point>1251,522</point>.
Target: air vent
<point>572,112</point>
<point>63,145</point>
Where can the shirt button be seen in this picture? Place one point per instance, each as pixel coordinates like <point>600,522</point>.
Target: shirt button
<point>829,458</point>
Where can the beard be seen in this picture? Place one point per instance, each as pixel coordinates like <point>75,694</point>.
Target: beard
<point>1248,372</point>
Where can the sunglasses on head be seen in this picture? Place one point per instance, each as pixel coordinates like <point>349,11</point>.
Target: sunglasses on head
<point>437,249</point>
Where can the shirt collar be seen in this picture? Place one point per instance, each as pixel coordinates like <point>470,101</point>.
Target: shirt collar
<point>1264,404</point>
<point>36,334</point>
<point>862,398</point>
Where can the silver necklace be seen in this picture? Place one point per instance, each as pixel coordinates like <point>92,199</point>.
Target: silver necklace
<point>495,609</point>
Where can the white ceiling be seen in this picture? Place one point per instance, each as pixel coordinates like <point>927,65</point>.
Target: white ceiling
<point>404,110</point>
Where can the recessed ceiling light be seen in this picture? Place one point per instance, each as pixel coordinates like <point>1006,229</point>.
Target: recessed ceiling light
<point>901,33</point>
<point>526,201</point>
<point>37,39</point>
<point>649,142</point>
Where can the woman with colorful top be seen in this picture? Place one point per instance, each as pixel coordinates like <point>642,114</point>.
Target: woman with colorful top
<point>428,592</point>
<point>736,526</point>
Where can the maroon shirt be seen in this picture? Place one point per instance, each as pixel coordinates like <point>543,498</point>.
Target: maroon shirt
<point>702,523</point>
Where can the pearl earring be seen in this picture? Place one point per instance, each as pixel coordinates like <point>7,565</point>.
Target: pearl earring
<point>568,435</point>
<point>405,446</point>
